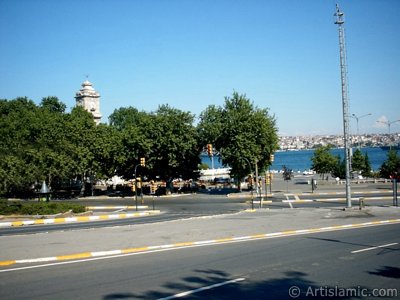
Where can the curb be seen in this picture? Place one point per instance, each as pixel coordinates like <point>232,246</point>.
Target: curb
<point>117,207</point>
<point>104,197</point>
<point>245,195</point>
<point>336,199</point>
<point>78,219</point>
<point>98,254</point>
<point>248,195</point>
<point>338,193</point>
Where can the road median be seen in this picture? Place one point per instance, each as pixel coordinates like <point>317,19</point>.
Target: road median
<point>36,221</point>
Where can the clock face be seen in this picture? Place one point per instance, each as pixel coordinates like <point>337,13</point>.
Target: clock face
<point>92,107</point>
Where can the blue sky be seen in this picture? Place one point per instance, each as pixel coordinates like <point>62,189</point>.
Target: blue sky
<point>283,54</point>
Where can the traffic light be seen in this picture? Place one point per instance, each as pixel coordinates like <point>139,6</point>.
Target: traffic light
<point>250,180</point>
<point>209,149</point>
<point>267,179</point>
<point>142,161</point>
<point>153,189</point>
<point>271,158</point>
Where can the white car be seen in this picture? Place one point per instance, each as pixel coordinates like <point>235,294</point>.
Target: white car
<point>309,172</point>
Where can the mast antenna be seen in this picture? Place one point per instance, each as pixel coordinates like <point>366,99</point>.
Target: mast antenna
<point>345,101</point>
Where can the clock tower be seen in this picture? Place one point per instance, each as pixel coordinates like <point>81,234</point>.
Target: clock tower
<point>89,99</point>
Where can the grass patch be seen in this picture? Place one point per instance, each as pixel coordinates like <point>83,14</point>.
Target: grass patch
<point>38,208</point>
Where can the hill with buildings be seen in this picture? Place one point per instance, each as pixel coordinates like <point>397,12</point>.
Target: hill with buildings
<point>364,140</point>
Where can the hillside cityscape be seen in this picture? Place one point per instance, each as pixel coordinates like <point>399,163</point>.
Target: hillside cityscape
<point>363,140</point>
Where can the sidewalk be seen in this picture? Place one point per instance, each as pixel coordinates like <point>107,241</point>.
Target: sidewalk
<point>245,225</point>
<point>299,184</point>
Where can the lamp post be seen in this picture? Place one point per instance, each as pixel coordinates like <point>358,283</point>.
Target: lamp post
<point>387,123</point>
<point>358,118</point>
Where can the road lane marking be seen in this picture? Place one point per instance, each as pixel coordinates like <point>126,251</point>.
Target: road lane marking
<point>183,294</point>
<point>88,256</point>
<point>373,248</point>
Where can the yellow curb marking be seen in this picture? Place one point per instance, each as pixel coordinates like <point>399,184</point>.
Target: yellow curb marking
<point>78,219</point>
<point>7,262</point>
<point>133,250</point>
<point>74,256</point>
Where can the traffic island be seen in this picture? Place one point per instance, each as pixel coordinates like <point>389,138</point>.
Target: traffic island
<point>41,220</point>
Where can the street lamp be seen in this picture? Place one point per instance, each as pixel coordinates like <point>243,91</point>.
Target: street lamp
<point>358,118</point>
<point>387,123</point>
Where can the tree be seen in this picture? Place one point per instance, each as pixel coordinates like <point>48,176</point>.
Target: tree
<point>243,134</point>
<point>19,129</point>
<point>53,104</point>
<point>133,127</point>
<point>360,163</point>
<point>391,166</point>
<point>323,162</point>
<point>175,152</point>
<point>166,138</point>
<point>339,168</point>
<point>367,170</point>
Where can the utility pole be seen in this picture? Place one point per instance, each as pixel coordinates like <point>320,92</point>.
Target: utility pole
<point>345,102</point>
<point>358,130</point>
<point>387,123</point>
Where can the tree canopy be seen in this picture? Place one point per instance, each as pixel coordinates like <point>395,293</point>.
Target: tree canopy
<point>323,162</point>
<point>166,138</point>
<point>391,166</point>
<point>242,133</point>
<point>44,142</point>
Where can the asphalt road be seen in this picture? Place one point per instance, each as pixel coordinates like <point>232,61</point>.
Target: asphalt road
<point>172,208</point>
<point>195,205</point>
<point>305,265</point>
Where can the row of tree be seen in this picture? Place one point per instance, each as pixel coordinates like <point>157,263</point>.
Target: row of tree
<point>44,142</point>
<point>324,162</point>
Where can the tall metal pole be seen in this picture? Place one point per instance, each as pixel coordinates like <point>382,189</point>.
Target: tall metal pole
<point>136,187</point>
<point>387,123</point>
<point>358,131</point>
<point>345,103</point>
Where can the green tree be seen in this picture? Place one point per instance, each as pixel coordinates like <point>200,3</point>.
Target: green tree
<point>134,129</point>
<point>367,166</point>
<point>323,161</point>
<point>19,129</point>
<point>167,139</point>
<point>391,166</point>
<point>80,132</point>
<point>360,163</point>
<point>175,152</point>
<point>53,104</point>
<point>339,168</point>
<point>243,134</point>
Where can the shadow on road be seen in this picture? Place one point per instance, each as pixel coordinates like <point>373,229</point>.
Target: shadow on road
<point>386,271</point>
<point>293,285</point>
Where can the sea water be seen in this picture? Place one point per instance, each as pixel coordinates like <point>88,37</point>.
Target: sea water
<point>300,160</point>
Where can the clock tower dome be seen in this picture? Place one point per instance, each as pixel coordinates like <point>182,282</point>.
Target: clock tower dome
<point>89,99</point>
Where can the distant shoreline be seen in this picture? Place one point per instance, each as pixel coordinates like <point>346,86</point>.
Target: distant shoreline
<point>300,160</point>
